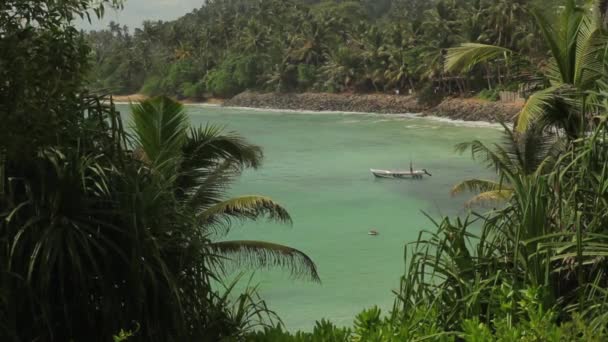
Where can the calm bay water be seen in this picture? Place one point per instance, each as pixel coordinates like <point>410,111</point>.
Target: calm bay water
<point>317,166</point>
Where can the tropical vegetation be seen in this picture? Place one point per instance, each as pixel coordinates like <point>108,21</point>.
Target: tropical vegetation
<point>533,267</point>
<point>109,232</point>
<point>114,231</point>
<point>225,47</point>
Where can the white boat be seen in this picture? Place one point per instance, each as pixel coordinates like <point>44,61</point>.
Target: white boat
<point>415,174</point>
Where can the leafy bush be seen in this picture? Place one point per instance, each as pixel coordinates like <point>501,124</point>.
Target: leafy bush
<point>307,75</point>
<point>235,74</point>
<point>430,96</point>
<point>489,94</point>
<point>533,323</point>
<point>152,86</point>
<point>221,83</point>
<point>179,74</point>
<point>323,331</point>
<point>193,90</point>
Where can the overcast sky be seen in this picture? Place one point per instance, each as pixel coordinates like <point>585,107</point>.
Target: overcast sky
<point>136,11</point>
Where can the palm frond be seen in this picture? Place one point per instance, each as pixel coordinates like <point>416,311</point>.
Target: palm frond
<point>536,107</point>
<point>537,149</point>
<point>494,158</point>
<point>493,196</point>
<point>205,188</point>
<point>552,40</point>
<point>160,125</point>
<point>477,185</point>
<point>466,56</point>
<point>266,254</point>
<point>208,144</point>
<point>590,48</point>
<point>244,207</point>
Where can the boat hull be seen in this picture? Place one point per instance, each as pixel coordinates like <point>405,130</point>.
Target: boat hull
<point>417,174</point>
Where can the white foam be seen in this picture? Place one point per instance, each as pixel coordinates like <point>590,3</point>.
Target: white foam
<point>320,112</point>
<point>203,104</point>
<point>458,122</point>
<point>388,116</point>
<point>455,122</point>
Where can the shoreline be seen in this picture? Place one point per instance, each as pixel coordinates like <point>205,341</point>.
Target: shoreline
<point>464,109</point>
<point>454,109</point>
<point>456,122</point>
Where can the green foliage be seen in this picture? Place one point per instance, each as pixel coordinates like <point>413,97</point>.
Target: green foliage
<point>221,83</point>
<point>430,95</point>
<point>520,316</point>
<point>489,94</point>
<point>180,79</point>
<point>233,75</point>
<point>322,331</point>
<point>529,270</point>
<point>36,40</point>
<point>348,11</point>
<point>180,73</point>
<point>193,91</point>
<point>300,45</point>
<point>577,40</point>
<point>102,230</point>
<point>124,335</point>
<point>152,86</point>
<point>307,75</point>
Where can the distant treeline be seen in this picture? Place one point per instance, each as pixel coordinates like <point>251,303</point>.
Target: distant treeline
<point>228,46</point>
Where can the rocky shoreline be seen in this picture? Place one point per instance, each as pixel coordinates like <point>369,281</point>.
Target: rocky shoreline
<point>476,110</point>
<point>452,108</point>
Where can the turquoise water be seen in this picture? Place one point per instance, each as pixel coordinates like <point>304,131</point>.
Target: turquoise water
<point>317,166</point>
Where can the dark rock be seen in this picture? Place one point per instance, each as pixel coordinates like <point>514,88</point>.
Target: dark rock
<point>453,108</point>
<point>476,110</point>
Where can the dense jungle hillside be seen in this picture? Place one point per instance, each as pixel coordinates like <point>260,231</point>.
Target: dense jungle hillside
<point>227,46</point>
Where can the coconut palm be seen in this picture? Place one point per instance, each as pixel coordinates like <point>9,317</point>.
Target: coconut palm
<point>198,164</point>
<point>255,37</point>
<point>309,44</point>
<point>341,68</point>
<point>503,18</point>
<point>371,40</point>
<point>519,154</point>
<point>578,61</point>
<point>399,68</point>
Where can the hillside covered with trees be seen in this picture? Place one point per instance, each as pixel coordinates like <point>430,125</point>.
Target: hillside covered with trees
<point>228,46</point>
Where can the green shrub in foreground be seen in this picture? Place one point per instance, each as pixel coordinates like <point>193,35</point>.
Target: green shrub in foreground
<point>525,307</point>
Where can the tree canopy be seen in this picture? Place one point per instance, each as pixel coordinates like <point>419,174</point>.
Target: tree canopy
<point>225,47</point>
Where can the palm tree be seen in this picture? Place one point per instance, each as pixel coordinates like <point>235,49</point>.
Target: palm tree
<point>255,37</point>
<point>341,68</point>
<point>519,154</point>
<point>309,44</point>
<point>374,55</point>
<point>503,18</point>
<point>578,60</point>
<point>399,68</point>
<point>199,164</point>
<point>441,29</point>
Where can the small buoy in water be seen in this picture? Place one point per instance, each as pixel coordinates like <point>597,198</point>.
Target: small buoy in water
<point>373,232</point>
